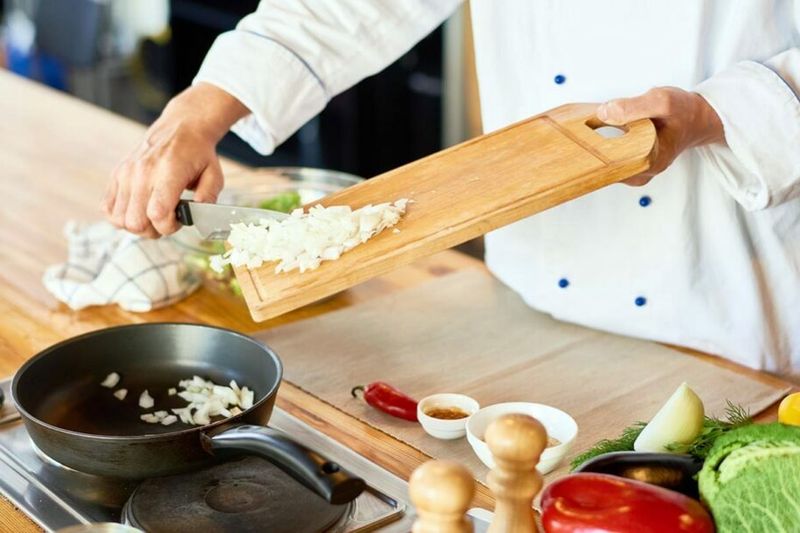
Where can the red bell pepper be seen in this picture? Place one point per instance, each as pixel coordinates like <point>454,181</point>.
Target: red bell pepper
<point>388,399</point>
<point>602,503</point>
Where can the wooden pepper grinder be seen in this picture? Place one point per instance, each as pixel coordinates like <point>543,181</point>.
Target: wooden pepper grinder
<point>441,492</point>
<point>516,442</point>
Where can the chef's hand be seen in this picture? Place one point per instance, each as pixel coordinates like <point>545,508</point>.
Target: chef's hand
<point>178,152</point>
<point>682,119</point>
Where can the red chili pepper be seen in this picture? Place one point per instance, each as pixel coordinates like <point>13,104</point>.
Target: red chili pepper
<point>388,399</point>
<point>602,503</point>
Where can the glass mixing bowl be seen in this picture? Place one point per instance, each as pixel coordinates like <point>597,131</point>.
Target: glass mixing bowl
<point>281,188</point>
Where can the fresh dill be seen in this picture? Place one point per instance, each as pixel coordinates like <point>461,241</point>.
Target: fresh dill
<point>623,443</point>
<point>735,416</point>
<point>713,428</point>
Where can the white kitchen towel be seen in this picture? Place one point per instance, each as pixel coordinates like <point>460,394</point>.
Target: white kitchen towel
<point>106,265</point>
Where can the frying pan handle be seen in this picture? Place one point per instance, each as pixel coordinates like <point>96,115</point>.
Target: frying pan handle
<point>324,477</point>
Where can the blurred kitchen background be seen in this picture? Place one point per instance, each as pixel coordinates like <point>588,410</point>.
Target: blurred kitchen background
<point>131,56</point>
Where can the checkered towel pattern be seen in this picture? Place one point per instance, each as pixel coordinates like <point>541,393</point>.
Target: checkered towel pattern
<point>106,265</point>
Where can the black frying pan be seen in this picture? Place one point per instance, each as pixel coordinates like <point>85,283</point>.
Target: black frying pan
<point>80,424</point>
<point>669,470</point>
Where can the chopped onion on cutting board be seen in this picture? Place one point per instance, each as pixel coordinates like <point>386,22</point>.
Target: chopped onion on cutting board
<point>303,240</point>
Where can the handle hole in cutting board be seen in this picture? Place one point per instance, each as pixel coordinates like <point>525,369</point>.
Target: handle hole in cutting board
<point>604,130</point>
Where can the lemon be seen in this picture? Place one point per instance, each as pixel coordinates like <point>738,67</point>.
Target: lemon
<point>789,410</point>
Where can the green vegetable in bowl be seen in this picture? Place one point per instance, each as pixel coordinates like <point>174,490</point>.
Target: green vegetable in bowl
<point>751,479</point>
<point>285,202</point>
<point>197,254</point>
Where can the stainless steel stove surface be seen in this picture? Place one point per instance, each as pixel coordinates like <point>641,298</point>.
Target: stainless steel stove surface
<point>56,497</point>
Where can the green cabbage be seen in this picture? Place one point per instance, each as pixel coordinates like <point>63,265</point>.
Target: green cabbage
<point>751,480</point>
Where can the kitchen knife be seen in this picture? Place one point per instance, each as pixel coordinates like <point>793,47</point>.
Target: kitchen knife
<point>213,221</point>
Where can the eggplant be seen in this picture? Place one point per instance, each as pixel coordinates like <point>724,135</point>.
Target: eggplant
<point>672,471</point>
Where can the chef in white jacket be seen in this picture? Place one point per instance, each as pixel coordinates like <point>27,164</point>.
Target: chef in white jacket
<point>705,255</point>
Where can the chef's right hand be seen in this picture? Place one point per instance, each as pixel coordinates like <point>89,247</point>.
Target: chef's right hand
<point>178,152</point>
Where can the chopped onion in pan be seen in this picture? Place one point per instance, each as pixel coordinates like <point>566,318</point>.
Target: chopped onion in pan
<point>120,394</point>
<point>146,401</point>
<point>246,398</point>
<point>111,380</point>
<point>201,417</point>
<point>185,415</point>
<point>161,417</point>
<point>173,391</point>
<point>303,240</point>
<point>206,400</point>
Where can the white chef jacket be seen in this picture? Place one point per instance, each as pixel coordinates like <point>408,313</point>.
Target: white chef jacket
<point>707,255</point>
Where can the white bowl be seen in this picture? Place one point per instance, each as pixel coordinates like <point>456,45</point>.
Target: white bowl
<point>446,429</point>
<point>559,425</point>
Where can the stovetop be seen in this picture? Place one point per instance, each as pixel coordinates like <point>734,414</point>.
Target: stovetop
<point>56,497</point>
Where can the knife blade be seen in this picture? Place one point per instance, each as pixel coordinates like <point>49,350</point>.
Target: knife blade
<point>213,221</point>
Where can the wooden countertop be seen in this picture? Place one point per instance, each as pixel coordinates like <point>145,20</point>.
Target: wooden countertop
<point>57,155</point>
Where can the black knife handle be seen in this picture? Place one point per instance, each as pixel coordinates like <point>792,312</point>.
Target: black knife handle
<point>183,213</point>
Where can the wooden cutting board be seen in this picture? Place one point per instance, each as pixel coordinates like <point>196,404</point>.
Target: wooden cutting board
<point>467,333</point>
<point>461,193</point>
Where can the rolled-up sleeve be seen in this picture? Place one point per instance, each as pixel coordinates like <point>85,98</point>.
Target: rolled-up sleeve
<point>759,106</point>
<point>289,57</point>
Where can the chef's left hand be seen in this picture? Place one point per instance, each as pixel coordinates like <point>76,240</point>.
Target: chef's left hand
<point>682,119</point>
